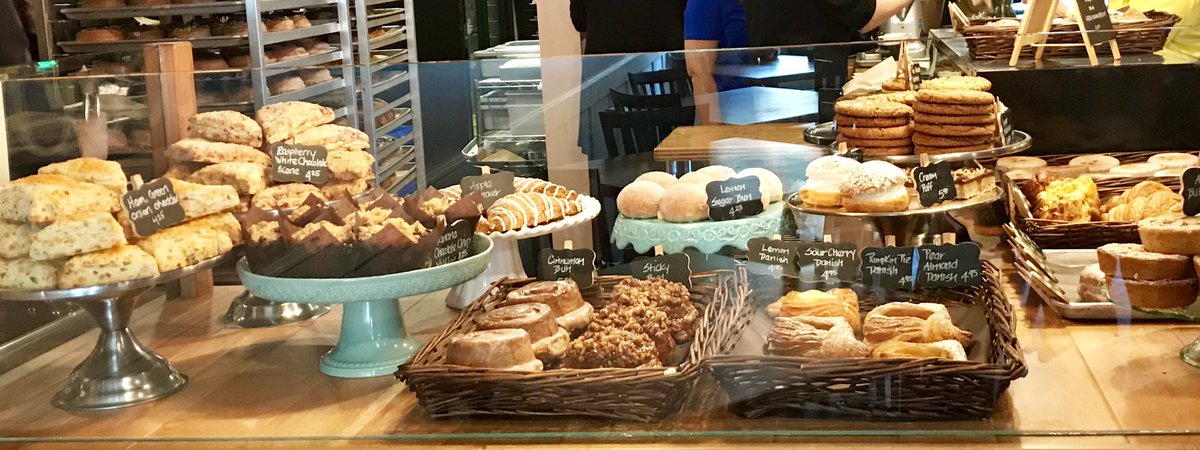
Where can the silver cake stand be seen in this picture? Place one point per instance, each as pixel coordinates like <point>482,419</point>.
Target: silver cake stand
<point>119,372</point>
<point>913,226</point>
<point>826,134</point>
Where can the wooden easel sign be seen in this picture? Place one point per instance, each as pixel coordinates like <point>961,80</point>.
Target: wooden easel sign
<point>1095,27</point>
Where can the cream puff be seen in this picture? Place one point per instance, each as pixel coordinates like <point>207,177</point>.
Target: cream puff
<point>825,177</point>
<point>876,186</point>
<point>771,184</point>
<point>639,200</point>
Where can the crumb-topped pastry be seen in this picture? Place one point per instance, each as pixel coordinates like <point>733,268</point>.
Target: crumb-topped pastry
<point>413,231</point>
<point>265,232</point>
<point>611,347</point>
<point>973,181</point>
<point>342,233</point>
<point>286,196</point>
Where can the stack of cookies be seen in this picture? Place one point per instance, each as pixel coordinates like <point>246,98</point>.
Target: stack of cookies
<point>954,115</point>
<point>877,126</point>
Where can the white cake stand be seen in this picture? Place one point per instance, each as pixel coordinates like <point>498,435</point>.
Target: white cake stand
<point>506,258</point>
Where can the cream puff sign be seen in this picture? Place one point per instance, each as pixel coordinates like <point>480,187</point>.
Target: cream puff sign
<point>734,198</point>
<point>934,183</point>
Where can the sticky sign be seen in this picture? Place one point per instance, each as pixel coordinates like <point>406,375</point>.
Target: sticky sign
<point>674,267</point>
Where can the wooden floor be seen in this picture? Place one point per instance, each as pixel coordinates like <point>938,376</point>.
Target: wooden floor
<point>1113,385</point>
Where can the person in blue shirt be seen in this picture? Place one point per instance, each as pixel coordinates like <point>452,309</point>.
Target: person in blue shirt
<point>709,25</point>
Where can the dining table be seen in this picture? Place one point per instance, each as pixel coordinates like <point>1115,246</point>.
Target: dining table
<point>759,104</point>
<point>783,69</point>
<point>718,142</point>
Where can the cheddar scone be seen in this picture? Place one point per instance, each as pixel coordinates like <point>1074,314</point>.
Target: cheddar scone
<point>15,239</point>
<point>225,126</point>
<point>281,121</point>
<point>224,223</point>
<point>202,151</point>
<point>348,166</point>
<point>247,178</point>
<point>42,202</point>
<point>77,235</point>
<point>117,264</point>
<point>184,245</point>
<point>200,200</point>
<point>25,273</point>
<point>334,138</point>
<point>91,170</point>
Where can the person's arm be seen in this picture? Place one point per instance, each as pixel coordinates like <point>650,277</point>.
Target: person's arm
<point>883,10</point>
<point>579,20</point>
<point>700,62</point>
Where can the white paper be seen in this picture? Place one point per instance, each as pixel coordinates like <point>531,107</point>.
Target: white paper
<point>872,80</point>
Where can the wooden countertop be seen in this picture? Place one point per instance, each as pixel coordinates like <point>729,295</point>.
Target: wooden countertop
<point>1115,385</point>
<point>762,140</point>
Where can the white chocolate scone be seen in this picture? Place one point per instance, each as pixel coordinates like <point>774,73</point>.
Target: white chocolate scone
<point>117,264</point>
<point>286,196</point>
<point>334,138</point>
<point>77,235</point>
<point>42,199</point>
<point>281,121</point>
<point>247,178</point>
<point>225,126</point>
<point>339,189</point>
<point>348,166</point>
<point>200,200</point>
<point>25,273</point>
<point>15,239</point>
<point>184,245</point>
<point>202,151</point>
<point>90,170</point>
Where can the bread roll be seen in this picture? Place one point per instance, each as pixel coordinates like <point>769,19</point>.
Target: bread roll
<point>562,297</point>
<point>507,349</point>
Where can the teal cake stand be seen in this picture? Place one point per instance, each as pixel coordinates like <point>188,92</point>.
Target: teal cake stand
<point>708,237</point>
<point>373,340</point>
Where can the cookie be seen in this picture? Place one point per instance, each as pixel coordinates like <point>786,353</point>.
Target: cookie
<point>872,122</point>
<point>895,84</point>
<point>956,130</point>
<point>852,142</point>
<point>905,97</point>
<point>943,150</point>
<point>949,141</point>
<point>872,108</point>
<point>886,151</point>
<point>955,97</point>
<point>877,133</point>
<point>943,109</point>
<point>969,83</point>
<point>980,119</point>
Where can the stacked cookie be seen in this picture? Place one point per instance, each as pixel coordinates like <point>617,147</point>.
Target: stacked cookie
<point>876,125</point>
<point>954,115</point>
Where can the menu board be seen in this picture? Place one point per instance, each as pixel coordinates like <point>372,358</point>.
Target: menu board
<point>1096,21</point>
<point>152,207</point>
<point>299,163</point>
<point>674,267</point>
<point>576,264</point>
<point>734,198</point>
<point>888,267</point>
<point>829,261</point>
<point>949,265</point>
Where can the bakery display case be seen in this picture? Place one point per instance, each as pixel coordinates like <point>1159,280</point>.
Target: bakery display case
<point>922,268</point>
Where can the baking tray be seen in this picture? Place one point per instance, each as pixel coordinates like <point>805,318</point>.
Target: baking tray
<point>825,134</point>
<point>132,45</point>
<point>125,12</point>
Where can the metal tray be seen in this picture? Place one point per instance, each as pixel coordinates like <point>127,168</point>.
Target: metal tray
<point>793,202</point>
<point>131,45</point>
<point>124,12</point>
<point>825,134</point>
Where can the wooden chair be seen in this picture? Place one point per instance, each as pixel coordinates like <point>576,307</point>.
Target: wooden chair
<point>659,82</point>
<point>630,132</point>
<point>634,102</point>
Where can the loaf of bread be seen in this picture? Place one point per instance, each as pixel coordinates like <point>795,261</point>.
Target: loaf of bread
<point>15,239</point>
<point>114,265</point>
<point>1158,294</point>
<point>225,126</point>
<point>90,170</point>
<point>25,273</point>
<point>202,151</point>
<point>246,178</point>
<point>333,138</point>
<point>1174,234</point>
<point>184,245</point>
<point>77,235</point>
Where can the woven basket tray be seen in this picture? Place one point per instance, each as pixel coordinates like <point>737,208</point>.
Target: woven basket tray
<point>996,42</point>
<point>624,394</point>
<point>884,389</point>
<point>1059,234</point>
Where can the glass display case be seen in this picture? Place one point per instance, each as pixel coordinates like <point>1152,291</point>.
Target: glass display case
<point>922,269</point>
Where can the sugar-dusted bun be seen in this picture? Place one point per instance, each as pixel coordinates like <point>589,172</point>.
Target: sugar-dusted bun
<point>825,178</point>
<point>508,348</point>
<point>1095,163</point>
<point>1090,280</point>
<point>699,178</point>
<point>1174,160</point>
<point>1159,294</point>
<point>876,186</point>
<point>767,179</point>
<point>1132,261</point>
<point>717,172</point>
<point>663,179</point>
<point>639,200</point>
<point>684,202</point>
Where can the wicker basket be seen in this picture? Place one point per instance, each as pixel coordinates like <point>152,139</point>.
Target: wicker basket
<point>885,389</point>
<point>625,394</point>
<point>1059,234</point>
<point>996,42</point>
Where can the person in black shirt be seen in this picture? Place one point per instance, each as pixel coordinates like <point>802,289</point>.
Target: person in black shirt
<point>629,26</point>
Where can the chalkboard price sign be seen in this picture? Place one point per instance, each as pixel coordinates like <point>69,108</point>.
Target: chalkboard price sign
<point>949,265</point>
<point>888,267</point>
<point>491,186</point>
<point>1006,125</point>
<point>299,163</point>
<point>934,183</point>
<point>773,252</point>
<point>734,198</point>
<point>674,267</point>
<point>455,243</point>
<point>152,207</point>
<point>576,264</point>
<point>829,261</point>
<point>1191,191</point>
<point>1096,21</point>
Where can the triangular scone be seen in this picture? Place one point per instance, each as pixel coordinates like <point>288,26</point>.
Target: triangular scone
<point>281,121</point>
<point>199,200</point>
<point>117,264</point>
<point>90,170</point>
<point>225,126</point>
<point>77,235</point>
<point>202,151</point>
<point>334,138</point>
<point>42,199</point>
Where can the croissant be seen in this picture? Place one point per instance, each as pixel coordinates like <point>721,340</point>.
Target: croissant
<point>911,322</point>
<point>948,349</point>
<point>541,186</point>
<point>815,337</point>
<point>528,209</point>
<point>834,303</point>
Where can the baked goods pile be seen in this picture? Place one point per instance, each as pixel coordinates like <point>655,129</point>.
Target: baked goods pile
<point>877,186</point>
<point>815,324</point>
<point>1133,274</point>
<point>63,228</point>
<point>1100,166</point>
<point>375,234</point>
<point>228,148</point>
<point>643,325</point>
<point>947,115</point>
<point>1077,200</point>
<point>534,202</point>
<point>659,195</point>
